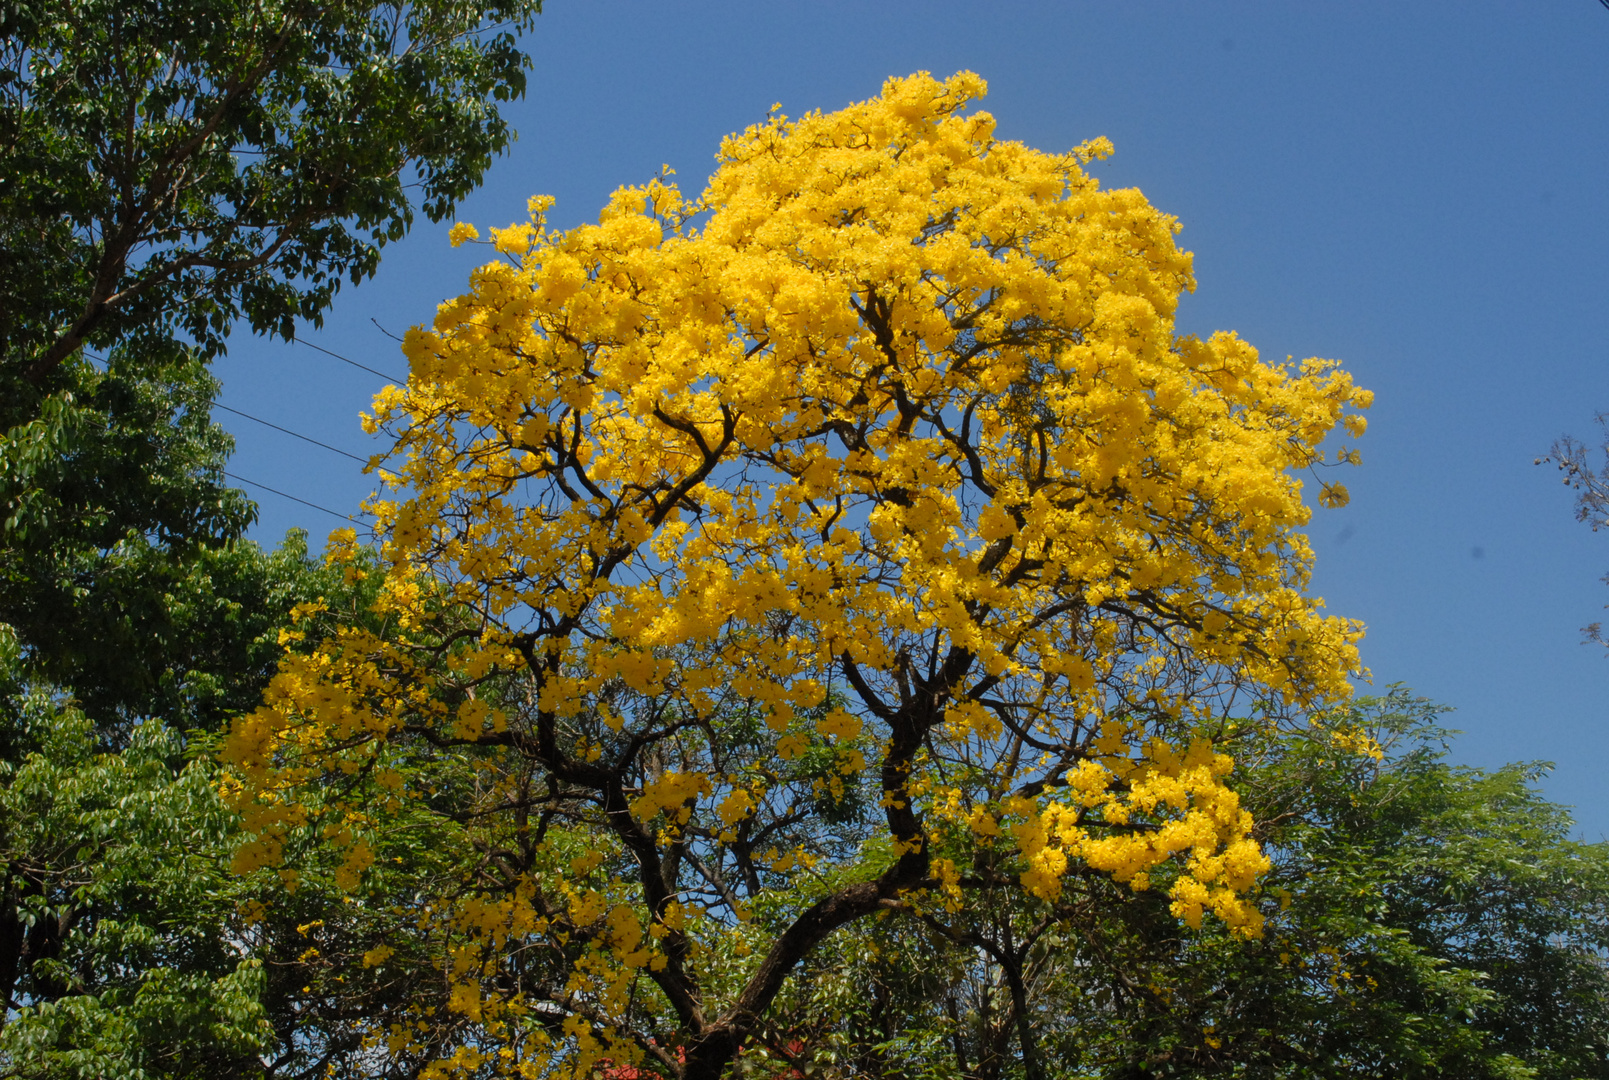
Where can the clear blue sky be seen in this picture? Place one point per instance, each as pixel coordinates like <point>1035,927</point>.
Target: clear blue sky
<point>1420,190</point>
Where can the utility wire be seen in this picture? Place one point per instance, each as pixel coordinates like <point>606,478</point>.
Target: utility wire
<point>266,423</point>
<point>288,495</point>
<point>288,431</point>
<point>366,367</point>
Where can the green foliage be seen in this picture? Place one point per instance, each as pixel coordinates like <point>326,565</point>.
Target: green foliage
<point>127,945</point>
<point>113,493</point>
<point>1469,932</point>
<point>170,166</point>
<point>173,1024</point>
<point>1423,920</point>
<point>115,935</point>
<point>117,572</point>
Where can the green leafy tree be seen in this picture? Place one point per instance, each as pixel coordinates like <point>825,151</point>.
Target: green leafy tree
<point>119,937</point>
<point>128,947</point>
<point>1423,920</point>
<point>114,936</point>
<point>119,573</point>
<point>173,165</point>
<point>168,170</point>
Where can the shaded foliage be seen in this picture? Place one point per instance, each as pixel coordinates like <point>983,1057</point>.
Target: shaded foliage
<point>168,169</point>
<point>1423,920</point>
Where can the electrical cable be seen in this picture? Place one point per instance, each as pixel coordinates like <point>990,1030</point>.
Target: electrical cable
<point>366,367</point>
<point>266,423</point>
<point>288,495</point>
<point>288,431</point>
<point>260,420</point>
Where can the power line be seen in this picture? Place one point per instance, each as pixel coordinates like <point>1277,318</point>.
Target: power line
<point>288,431</point>
<point>266,423</point>
<point>366,367</point>
<point>288,495</point>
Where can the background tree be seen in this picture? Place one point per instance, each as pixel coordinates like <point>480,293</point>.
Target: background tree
<point>760,551</point>
<point>116,952</point>
<point>1591,485</point>
<point>173,166</point>
<point>165,170</point>
<point>123,945</point>
<point>128,947</point>
<point>168,169</point>
<point>120,570</point>
<point>1423,919</point>
<point>1434,918</point>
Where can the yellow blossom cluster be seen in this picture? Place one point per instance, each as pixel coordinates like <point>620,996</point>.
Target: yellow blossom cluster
<point>1357,742</point>
<point>1202,822</point>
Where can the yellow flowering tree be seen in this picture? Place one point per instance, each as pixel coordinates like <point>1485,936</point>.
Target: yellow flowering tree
<point>850,538</point>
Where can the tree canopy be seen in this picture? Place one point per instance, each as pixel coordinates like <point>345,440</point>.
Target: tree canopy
<point>840,544</point>
<point>172,166</point>
<point>168,169</point>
